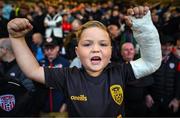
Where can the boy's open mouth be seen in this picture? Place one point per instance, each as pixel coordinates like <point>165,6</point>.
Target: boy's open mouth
<point>96,60</point>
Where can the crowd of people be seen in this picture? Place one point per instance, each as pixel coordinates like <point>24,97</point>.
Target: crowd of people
<point>62,35</point>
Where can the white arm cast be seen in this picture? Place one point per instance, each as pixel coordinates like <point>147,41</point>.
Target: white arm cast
<point>147,37</point>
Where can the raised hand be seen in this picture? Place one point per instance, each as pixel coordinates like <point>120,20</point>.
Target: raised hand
<point>19,27</point>
<point>137,12</point>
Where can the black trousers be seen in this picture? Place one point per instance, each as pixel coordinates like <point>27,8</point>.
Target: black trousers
<point>135,109</point>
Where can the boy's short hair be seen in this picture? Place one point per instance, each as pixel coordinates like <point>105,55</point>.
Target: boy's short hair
<point>164,39</point>
<point>88,25</point>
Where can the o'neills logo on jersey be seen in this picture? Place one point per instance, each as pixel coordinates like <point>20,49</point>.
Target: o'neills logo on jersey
<point>79,98</point>
<point>7,102</point>
<point>117,93</point>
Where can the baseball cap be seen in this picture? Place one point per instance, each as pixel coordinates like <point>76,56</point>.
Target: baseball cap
<point>51,41</point>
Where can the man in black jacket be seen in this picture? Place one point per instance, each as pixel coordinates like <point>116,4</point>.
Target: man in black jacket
<point>165,92</point>
<point>9,65</point>
<point>134,91</point>
<point>18,96</point>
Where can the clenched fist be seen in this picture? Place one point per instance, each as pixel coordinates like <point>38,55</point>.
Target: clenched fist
<point>19,27</point>
<point>137,12</point>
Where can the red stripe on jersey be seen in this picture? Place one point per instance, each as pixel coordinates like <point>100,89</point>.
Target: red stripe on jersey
<point>178,67</point>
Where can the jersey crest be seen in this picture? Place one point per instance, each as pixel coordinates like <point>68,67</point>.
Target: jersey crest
<point>117,93</point>
<point>7,102</point>
<point>172,65</point>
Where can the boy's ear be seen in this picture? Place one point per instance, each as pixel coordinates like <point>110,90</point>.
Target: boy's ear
<point>76,50</point>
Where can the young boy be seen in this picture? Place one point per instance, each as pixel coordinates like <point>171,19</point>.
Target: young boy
<point>97,88</point>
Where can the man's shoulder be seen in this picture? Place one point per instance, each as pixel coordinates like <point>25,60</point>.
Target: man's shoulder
<point>43,61</point>
<point>63,60</point>
<point>175,58</point>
